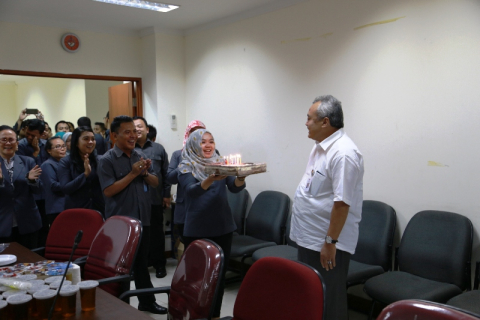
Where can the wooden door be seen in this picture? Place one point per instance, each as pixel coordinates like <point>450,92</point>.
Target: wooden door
<point>121,102</point>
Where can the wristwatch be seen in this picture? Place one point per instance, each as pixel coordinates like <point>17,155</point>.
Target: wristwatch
<point>329,239</point>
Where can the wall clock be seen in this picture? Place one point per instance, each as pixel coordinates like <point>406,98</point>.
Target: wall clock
<point>70,42</point>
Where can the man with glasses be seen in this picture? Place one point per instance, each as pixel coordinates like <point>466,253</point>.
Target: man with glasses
<point>328,203</point>
<point>19,216</point>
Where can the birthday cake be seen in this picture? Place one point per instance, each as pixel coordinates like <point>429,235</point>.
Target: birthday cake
<point>239,169</point>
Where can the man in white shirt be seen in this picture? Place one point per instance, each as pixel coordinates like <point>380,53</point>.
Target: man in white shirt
<point>327,206</point>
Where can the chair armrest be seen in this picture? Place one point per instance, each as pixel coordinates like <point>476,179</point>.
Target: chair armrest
<point>395,262</point>
<point>476,280</point>
<point>81,261</point>
<point>40,251</point>
<point>122,278</point>
<point>144,292</point>
<point>390,253</point>
<point>226,318</point>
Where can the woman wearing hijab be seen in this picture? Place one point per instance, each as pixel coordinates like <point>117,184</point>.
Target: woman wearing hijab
<point>207,213</point>
<point>172,177</point>
<point>54,196</point>
<point>67,138</point>
<point>77,173</point>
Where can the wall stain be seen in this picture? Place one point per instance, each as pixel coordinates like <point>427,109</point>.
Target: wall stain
<point>325,35</point>
<point>295,40</point>
<point>435,164</point>
<point>379,22</point>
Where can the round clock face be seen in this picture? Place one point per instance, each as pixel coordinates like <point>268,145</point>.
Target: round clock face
<point>70,42</point>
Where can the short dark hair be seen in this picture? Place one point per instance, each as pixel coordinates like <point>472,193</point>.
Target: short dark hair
<point>36,124</point>
<point>152,132</point>
<point>5,127</point>
<point>84,122</point>
<point>141,118</point>
<point>61,121</point>
<point>24,123</point>
<point>49,144</point>
<point>117,122</point>
<point>101,125</point>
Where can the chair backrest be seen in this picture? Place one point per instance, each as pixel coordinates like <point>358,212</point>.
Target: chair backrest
<point>437,245</point>
<point>239,203</point>
<point>195,283</point>
<point>267,216</point>
<point>376,233</point>
<point>113,251</point>
<point>64,229</point>
<point>280,289</point>
<point>423,310</point>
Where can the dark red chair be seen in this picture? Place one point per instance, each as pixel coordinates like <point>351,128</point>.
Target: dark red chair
<point>112,254</point>
<point>280,289</point>
<point>424,310</point>
<point>195,282</point>
<point>63,231</point>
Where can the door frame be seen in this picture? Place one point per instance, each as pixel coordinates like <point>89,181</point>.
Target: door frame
<point>137,82</point>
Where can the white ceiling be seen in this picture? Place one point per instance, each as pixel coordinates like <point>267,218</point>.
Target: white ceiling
<point>89,15</point>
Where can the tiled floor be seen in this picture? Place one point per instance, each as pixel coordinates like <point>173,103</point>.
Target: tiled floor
<point>228,299</point>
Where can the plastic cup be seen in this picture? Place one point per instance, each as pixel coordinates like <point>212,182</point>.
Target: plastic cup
<point>19,306</point>
<point>68,300</point>
<point>56,284</point>
<point>4,310</point>
<point>44,302</point>
<point>36,282</point>
<point>12,292</point>
<point>49,280</point>
<point>88,291</point>
<point>32,290</point>
<point>38,287</point>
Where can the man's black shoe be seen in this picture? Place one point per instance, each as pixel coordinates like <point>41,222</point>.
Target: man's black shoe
<point>152,308</point>
<point>161,273</point>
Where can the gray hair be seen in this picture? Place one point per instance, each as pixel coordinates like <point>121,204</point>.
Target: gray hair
<point>330,108</point>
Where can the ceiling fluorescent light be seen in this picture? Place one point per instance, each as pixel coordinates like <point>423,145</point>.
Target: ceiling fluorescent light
<point>142,4</point>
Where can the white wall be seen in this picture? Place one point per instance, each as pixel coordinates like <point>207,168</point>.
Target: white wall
<point>96,98</point>
<point>170,79</point>
<point>8,103</point>
<point>57,99</point>
<point>36,48</point>
<point>409,90</point>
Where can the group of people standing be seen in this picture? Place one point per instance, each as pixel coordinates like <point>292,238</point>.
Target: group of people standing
<point>133,178</point>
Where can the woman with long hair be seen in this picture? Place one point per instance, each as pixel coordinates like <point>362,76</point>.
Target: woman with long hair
<point>77,173</point>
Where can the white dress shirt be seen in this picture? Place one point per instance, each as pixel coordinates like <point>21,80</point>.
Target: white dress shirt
<point>334,173</point>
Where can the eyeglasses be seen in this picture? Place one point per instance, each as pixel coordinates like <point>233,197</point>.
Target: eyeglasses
<point>5,141</point>
<point>58,146</point>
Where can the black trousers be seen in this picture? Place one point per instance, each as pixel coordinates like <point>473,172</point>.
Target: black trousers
<point>43,232</point>
<point>140,268</point>
<point>156,255</point>
<point>336,307</point>
<point>225,242</point>
<point>29,240</point>
<point>51,217</point>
